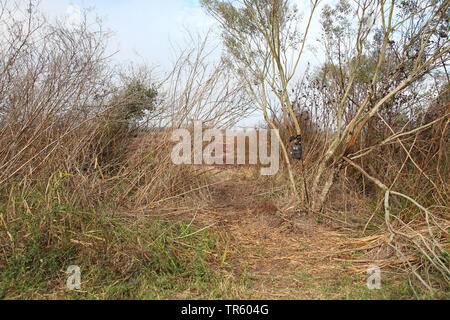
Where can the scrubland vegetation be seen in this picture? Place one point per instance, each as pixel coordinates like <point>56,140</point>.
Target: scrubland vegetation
<point>86,176</point>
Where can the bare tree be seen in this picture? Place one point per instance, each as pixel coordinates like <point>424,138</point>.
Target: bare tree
<point>265,47</point>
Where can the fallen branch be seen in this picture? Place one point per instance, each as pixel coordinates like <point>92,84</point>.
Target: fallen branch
<point>430,243</point>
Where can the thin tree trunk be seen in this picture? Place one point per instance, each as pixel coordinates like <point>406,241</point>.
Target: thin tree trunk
<point>321,195</point>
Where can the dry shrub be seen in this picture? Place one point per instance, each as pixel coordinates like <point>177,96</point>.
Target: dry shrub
<point>151,177</point>
<point>407,151</point>
<point>60,113</point>
<point>75,178</point>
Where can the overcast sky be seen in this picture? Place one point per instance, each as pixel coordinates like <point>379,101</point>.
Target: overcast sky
<point>145,31</point>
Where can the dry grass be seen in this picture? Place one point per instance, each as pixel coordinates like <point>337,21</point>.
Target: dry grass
<point>282,253</point>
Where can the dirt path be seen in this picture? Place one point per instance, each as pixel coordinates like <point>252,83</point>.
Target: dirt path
<point>280,254</point>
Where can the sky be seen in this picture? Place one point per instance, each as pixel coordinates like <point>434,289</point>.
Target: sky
<point>143,30</point>
<point>146,31</point>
